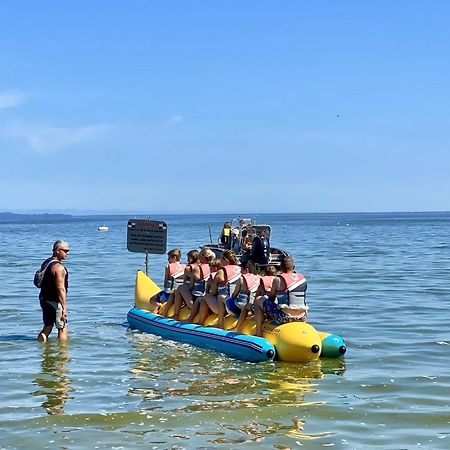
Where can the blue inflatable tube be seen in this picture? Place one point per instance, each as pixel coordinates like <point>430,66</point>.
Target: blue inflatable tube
<point>240,346</point>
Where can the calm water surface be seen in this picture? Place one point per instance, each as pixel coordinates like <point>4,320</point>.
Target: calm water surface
<point>379,280</point>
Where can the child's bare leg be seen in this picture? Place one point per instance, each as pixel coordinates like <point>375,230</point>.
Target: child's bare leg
<point>204,311</point>
<point>211,301</point>
<point>178,303</point>
<point>154,305</point>
<point>169,303</point>
<point>194,310</point>
<point>244,314</point>
<point>220,310</point>
<point>259,316</point>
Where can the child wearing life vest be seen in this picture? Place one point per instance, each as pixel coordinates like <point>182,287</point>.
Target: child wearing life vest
<point>286,301</point>
<point>192,261</point>
<point>173,276</point>
<point>224,281</point>
<point>214,266</point>
<point>199,276</point>
<point>245,289</point>
<point>264,287</point>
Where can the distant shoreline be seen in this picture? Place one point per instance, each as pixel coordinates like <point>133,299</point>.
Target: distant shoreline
<point>12,216</point>
<point>91,214</point>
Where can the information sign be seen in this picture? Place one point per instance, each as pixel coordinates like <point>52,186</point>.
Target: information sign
<point>147,236</point>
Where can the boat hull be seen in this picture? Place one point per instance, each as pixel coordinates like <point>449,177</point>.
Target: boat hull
<point>240,346</point>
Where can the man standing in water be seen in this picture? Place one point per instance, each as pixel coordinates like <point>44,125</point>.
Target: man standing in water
<point>53,295</point>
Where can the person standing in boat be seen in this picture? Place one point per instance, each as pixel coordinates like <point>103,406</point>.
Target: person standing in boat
<point>242,244</point>
<point>286,301</point>
<point>53,294</point>
<point>246,241</point>
<point>225,236</point>
<point>260,253</point>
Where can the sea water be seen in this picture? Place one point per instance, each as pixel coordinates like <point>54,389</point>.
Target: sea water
<point>381,281</point>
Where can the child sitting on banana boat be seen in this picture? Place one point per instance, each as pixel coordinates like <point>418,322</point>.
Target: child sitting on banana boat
<point>173,277</point>
<point>214,266</point>
<point>286,301</point>
<point>199,276</point>
<point>244,291</point>
<point>224,281</point>
<point>192,261</point>
<point>263,288</point>
<point>281,298</point>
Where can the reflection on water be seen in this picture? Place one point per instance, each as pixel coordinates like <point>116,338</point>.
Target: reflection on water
<point>53,381</point>
<point>236,402</point>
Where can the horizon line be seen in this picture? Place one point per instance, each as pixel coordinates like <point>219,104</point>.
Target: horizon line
<point>75,212</point>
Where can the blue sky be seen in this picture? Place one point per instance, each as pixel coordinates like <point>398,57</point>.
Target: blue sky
<point>214,106</point>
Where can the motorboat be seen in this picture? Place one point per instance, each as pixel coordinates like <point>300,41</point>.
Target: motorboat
<point>102,228</point>
<point>242,233</point>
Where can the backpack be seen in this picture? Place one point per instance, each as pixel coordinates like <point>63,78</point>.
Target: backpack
<point>39,275</point>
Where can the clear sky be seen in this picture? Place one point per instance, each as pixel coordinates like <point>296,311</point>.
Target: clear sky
<point>224,106</point>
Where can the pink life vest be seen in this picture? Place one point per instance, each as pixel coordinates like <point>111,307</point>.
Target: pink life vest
<point>232,274</point>
<point>252,281</point>
<point>248,296</point>
<point>267,281</point>
<point>205,271</point>
<point>176,271</point>
<point>199,287</point>
<point>293,296</point>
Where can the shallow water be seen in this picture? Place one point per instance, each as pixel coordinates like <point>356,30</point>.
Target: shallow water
<point>379,280</point>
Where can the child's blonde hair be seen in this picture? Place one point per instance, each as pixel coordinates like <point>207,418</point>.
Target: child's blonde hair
<point>208,255</point>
